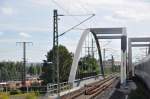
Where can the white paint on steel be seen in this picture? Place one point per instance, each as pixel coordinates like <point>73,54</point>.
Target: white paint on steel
<point>123,61</point>
<point>77,56</point>
<point>123,67</point>
<point>111,31</point>
<point>131,68</point>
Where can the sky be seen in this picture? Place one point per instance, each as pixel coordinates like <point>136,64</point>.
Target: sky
<point>32,21</point>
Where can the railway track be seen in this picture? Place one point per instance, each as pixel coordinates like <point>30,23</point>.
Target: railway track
<point>92,90</point>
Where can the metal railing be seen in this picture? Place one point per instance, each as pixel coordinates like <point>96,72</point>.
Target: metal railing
<point>53,88</point>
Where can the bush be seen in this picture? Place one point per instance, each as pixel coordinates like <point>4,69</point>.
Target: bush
<point>37,93</point>
<point>31,96</point>
<point>14,92</point>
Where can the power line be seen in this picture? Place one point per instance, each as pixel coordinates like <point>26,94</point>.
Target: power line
<point>74,17</point>
<point>56,3</point>
<point>24,61</point>
<point>77,25</point>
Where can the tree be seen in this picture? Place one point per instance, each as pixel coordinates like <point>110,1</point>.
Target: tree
<point>88,64</point>
<point>39,69</point>
<point>10,71</point>
<point>65,61</point>
<point>46,75</point>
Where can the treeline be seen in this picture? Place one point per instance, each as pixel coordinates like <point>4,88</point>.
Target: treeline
<point>34,69</point>
<point>13,70</point>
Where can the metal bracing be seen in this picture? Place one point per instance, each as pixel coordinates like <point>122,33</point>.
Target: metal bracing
<point>96,32</point>
<point>106,30</point>
<point>140,39</point>
<point>108,37</point>
<point>140,45</point>
<point>130,45</point>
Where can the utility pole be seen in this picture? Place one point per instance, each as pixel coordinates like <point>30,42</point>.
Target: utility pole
<point>104,51</point>
<point>112,63</point>
<point>24,62</point>
<point>56,44</point>
<point>149,49</point>
<point>92,48</point>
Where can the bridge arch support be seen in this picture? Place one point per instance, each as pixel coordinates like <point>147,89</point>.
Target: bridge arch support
<point>106,33</point>
<point>77,55</point>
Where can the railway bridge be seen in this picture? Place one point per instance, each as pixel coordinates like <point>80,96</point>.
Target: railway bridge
<point>92,86</point>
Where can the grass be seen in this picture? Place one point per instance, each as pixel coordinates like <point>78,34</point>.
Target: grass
<point>4,95</point>
<point>31,95</point>
<point>108,71</point>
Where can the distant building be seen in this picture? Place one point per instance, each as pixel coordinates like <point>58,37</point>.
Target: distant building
<point>108,63</point>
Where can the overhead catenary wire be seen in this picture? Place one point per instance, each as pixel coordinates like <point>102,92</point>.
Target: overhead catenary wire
<point>86,9</point>
<point>73,16</point>
<point>77,25</point>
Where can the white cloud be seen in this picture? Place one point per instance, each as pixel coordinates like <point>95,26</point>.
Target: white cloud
<point>26,35</point>
<point>129,11</point>
<point>7,10</point>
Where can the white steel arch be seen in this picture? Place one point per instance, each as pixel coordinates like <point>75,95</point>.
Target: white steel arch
<point>77,55</point>
<point>95,31</point>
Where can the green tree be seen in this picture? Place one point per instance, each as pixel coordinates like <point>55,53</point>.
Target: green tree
<point>10,71</point>
<point>46,75</point>
<point>65,61</point>
<point>88,64</point>
<point>39,69</point>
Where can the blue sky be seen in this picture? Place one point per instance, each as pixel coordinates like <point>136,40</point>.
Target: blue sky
<point>31,20</point>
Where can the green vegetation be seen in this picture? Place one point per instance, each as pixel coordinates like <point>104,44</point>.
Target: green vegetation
<point>31,96</point>
<point>65,61</point>
<point>14,92</point>
<point>12,70</point>
<point>108,70</point>
<point>4,96</point>
<point>88,64</point>
<point>35,69</point>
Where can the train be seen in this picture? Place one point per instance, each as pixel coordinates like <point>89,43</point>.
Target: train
<point>142,70</point>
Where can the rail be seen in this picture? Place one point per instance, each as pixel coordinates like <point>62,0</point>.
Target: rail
<point>92,90</point>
